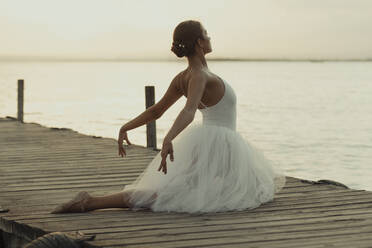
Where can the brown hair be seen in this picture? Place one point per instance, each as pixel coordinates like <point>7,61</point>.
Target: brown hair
<point>185,36</point>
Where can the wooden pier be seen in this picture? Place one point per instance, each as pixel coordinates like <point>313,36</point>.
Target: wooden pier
<point>42,167</point>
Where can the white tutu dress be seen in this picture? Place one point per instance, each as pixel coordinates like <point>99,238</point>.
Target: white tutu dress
<point>214,169</point>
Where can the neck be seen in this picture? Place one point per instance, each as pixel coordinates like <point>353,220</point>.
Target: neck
<point>197,61</point>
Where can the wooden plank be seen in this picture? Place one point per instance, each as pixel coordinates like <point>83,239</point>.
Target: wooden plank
<point>38,163</point>
<point>124,215</point>
<point>280,198</point>
<point>276,203</point>
<point>98,223</point>
<point>229,237</point>
<point>339,241</point>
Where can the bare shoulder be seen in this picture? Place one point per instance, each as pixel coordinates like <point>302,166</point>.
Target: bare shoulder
<point>189,78</point>
<point>197,81</point>
<point>172,94</point>
<point>198,75</point>
<point>178,80</point>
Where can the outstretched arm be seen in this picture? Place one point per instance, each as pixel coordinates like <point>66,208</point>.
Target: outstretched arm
<point>152,113</point>
<point>147,116</point>
<point>156,111</point>
<point>185,117</point>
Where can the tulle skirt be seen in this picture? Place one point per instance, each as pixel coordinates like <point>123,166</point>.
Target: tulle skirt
<point>214,170</point>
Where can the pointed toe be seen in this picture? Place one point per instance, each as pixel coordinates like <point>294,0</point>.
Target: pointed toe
<point>76,205</point>
<point>57,210</point>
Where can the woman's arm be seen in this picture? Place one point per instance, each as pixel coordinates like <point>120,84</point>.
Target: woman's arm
<point>152,113</point>
<point>183,119</point>
<point>147,116</point>
<point>186,116</point>
<point>156,111</point>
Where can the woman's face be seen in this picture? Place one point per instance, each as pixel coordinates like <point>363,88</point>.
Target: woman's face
<point>205,42</point>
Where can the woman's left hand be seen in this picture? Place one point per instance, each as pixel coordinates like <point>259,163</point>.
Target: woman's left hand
<point>165,150</point>
<point>122,136</point>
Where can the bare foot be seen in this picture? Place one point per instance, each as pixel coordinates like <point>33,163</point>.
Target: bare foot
<point>77,205</point>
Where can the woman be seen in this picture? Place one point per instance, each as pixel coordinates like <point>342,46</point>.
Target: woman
<point>211,167</point>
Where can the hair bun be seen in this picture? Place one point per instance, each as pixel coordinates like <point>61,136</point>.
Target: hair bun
<point>185,37</point>
<point>179,49</point>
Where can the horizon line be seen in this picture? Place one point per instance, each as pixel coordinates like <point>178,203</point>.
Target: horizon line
<point>142,59</point>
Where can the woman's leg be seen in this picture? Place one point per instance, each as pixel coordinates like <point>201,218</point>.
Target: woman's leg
<point>115,200</point>
<point>83,202</point>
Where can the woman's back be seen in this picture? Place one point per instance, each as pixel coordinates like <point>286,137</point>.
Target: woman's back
<point>214,89</point>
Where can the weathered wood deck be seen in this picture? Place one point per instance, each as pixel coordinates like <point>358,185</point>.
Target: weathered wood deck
<point>42,167</point>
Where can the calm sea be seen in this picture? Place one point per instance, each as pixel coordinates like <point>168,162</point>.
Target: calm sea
<point>314,120</point>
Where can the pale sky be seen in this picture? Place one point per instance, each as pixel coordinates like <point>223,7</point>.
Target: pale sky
<point>289,29</point>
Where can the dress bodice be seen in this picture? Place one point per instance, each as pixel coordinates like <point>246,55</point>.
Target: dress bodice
<point>222,113</point>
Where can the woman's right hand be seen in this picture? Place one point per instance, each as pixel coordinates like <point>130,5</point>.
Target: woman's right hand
<point>122,136</point>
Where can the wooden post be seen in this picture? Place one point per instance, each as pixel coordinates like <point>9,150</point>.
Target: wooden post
<point>150,127</point>
<point>20,100</point>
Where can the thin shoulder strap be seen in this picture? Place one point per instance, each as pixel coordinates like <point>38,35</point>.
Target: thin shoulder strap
<point>203,104</point>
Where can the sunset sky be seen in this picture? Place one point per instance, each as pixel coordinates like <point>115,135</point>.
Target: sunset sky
<point>260,29</point>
